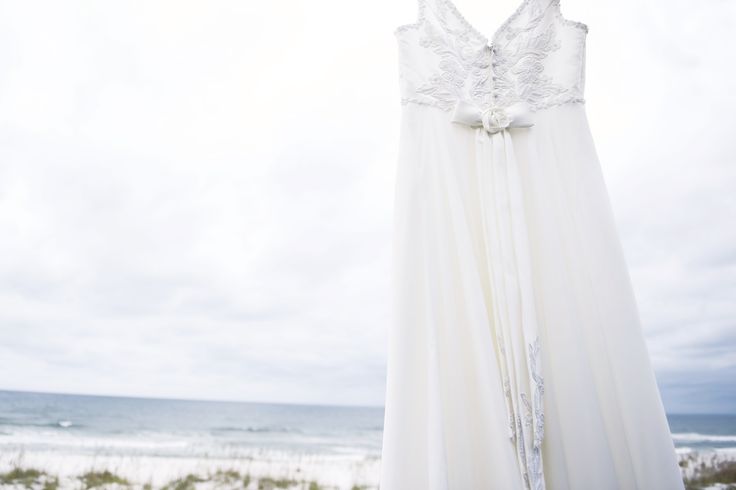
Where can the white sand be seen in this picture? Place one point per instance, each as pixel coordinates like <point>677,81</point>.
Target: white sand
<point>329,471</point>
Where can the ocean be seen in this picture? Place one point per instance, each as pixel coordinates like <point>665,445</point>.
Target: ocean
<point>185,427</point>
<point>159,427</point>
<point>335,443</point>
<point>703,431</point>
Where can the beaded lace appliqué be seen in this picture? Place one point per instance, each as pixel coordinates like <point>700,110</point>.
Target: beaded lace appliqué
<point>461,63</point>
<point>519,68</point>
<point>532,418</point>
<point>508,69</point>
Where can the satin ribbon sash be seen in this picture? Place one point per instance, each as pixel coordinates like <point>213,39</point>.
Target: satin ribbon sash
<point>493,119</point>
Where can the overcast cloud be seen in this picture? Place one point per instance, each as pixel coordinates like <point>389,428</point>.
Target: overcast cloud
<point>196,197</point>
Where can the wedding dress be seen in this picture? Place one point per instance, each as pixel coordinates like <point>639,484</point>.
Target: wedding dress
<point>516,357</point>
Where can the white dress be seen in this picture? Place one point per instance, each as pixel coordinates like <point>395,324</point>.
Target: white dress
<point>516,357</point>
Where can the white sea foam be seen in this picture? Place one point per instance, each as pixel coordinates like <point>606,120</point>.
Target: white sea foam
<point>52,439</point>
<point>172,444</point>
<point>696,437</point>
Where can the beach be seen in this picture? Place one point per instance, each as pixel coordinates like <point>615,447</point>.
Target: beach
<point>152,443</point>
<point>705,470</point>
<point>58,442</point>
<point>708,469</point>
<point>258,471</point>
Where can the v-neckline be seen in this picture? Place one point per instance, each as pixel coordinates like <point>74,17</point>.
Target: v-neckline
<point>489,41</point>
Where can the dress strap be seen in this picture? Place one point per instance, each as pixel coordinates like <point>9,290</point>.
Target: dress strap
<point>421,8</point>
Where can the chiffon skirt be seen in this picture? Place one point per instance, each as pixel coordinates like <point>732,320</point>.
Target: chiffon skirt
<point>516,357</point>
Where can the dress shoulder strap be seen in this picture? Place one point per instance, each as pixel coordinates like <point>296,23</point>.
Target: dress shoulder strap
<point>421,7</point>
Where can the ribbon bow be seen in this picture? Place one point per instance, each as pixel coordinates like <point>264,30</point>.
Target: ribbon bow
<point>493,119</point>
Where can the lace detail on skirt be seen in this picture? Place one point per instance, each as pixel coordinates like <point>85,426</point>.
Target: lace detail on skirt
<point>532,419</point>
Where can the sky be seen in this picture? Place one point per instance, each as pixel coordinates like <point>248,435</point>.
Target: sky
<point>196,197</point>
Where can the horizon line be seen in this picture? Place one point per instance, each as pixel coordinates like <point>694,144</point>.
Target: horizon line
<point>255,402</point>
<point>182,399</point>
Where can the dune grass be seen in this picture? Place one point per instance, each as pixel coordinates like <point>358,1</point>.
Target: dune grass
<point>21,476</point>
<point>33,479</point>
<point>29,478</point>
<point>724,474</point>
<point>188,482</point>
<point>93,479</point>
<point>271,483</point>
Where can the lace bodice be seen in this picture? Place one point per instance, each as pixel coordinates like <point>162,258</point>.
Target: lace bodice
<point>536,57</point>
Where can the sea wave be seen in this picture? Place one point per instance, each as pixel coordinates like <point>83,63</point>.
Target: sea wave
<point>57,424</point>
<point>696,437</point>
<point>265,428</point>
<point>178,444</point>
<point>48,439</point>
